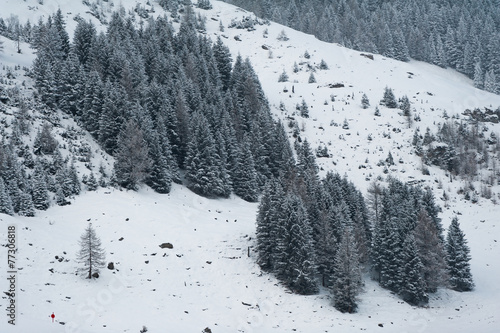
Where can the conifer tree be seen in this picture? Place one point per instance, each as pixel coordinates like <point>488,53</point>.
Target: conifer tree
<point>405,105</point>
<point>490,82</point>
<point>327,234</point>
<point>5,201</point>
<point>478,76</point>
<point>283,77</point>
<point>45,143</point>
<point>323,65</point>
<point>26,207</point>
<point>389,100</point>
<point>92,183</point>
<point>223,59</point>
<point>347,280</point>
<point>91,254</point>
<point>131,161</point>
<point>431,250</point>
<point>304,109</point>
<point>269,225</point>
<point>296,263</point>
<point>457,258</point>
<point>203,164</point>
<point>40,194</point>
<point>312,78</point>
<point>411,284</point>
<point>244,175</point>
<point>365,102</point>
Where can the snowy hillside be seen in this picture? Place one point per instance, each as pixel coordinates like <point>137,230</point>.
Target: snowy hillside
<point>208,280</point>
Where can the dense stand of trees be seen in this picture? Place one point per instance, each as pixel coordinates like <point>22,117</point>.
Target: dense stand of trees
<point>168,106</point>
<point>312,232</point>
<point>461,34</point>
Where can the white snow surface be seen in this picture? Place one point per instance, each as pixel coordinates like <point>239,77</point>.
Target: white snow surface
<point>207,279</point>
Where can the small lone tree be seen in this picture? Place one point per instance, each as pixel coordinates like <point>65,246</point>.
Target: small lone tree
<point>312,78</point>
<point>323,65</point>
<point>283,77</point>
<point>365,102</point>
<point>91,254</point>
<point>389,100</point>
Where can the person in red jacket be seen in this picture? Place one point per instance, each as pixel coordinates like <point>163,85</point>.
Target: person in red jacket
<point>52,316</point>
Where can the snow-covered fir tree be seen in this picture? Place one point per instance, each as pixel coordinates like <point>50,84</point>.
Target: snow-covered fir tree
<point>457,258</point>
<point>365,102</point>
<point>347,282</point>
<point>296,264</point>
<point>411,270</point>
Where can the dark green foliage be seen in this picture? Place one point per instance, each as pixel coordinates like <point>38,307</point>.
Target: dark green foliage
<point>304,109</point>
<point>296,265</point>
<point>457,258</point>
<point>283,77</point>
<point>269,221</point>
<point>5,201</point>
<point>244,175</point>
<point>223,58</point>
<point>132,160</point>
<point>92,183</point>
<point>204,167</point>
<point>365,102</point>
<point>162,79</point>
<point>312,78</point>
<point>403,212</point>
<point>411,282</point>
<point>204,4</point>
<point>389,100</point>
<point>347,280</point>
<point>45,143</point>
<point>323,65</point>
<point>405,105</point>
<point>40,193</point>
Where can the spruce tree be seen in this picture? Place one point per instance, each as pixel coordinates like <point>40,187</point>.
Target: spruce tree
<point>431,251</point>
<point>347,280</point>
<point>91,255</point>
<point>45,143</point>
<point>5,201</point>
<point>203,163</point>
<point>304,109</point>
<point>478,76</point>
<point>365,102</point>
<point>411,282</point>
<point>296,263</point>
<point>244,175</point>
<point>312,78</point>
<point>457,258</point>
<point>131,161</point>
<point>269,222</point>
<point>40,193</point>
<point>26,207</point>
<point>283,77</point>
<point>389,100</point>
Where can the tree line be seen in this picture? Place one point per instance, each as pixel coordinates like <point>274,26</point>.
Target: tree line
<point>462,35</point>
<point>315,232</point>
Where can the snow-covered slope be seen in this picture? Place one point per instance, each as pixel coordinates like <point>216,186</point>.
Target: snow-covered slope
<point>207,279</point>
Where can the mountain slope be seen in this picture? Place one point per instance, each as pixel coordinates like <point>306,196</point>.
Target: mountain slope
<point>208,274</point>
